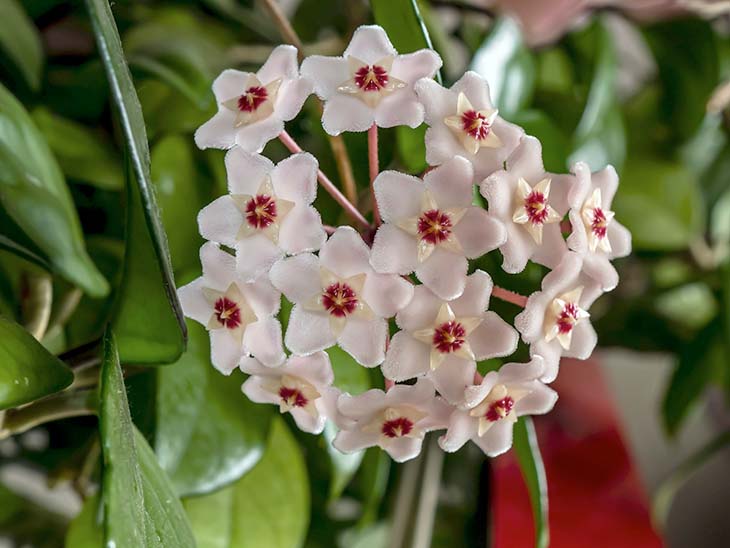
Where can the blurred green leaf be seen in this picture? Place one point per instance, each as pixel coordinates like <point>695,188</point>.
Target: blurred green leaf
<point>35,196</point>
<point>506,63</point>
<point>528,455</point>
<point>21,42</point>
<point>166,110</point>
<point>691,306</point>
<point>140,507</point>
<point>251,18</point>
<point>268,507</point>
<point>198,409</point>
<point>554,142</point>
<point>83,154</point>
<point>23,252</point>
<point>28,371</point>
<point>85,530</point>
<point>411,151</point>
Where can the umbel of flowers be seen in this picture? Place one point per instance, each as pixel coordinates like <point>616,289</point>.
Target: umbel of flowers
<point>266,239</point>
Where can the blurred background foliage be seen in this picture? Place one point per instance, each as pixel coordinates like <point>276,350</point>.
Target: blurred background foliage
<point>81,246</point>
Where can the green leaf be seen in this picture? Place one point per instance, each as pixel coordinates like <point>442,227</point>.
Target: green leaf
<point>402,20</point>
<point>269,506</point>
<point>23,252</point>
<point>508,66</point>
<point>411,151</point>
<point>28,371</point>
<point>21,42</point>
<point>35,196</point>
<point>533,472</point>
<point>691,306</point>
<point>198,409</point>
<point>130,114</point>
<point>140,507</point>
<point>85,531</point>
<point>554,142</point>
<point>82,154</point>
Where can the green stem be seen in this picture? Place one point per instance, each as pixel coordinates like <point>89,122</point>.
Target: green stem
<point>60,406</point>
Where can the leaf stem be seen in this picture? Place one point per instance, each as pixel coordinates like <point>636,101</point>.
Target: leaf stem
<point>509,296</point>
<point>374,167</point>
<point>282,23</point>
<point>37,299</point>
<point>59,406</point>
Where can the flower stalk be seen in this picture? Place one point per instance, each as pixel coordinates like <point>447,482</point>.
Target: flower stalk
<point>374,168</point>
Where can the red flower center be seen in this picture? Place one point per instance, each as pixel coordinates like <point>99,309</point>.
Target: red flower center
<point>449,337</point>
<point>397,428</point>
<point>252,98</point>
<point>371,78</point>
<point>499,409</point>
<point>227,312</point>
<point>339,299</point>
<point>475,124</point>
<point>261,211</point>
<point>292,397</point>
<point>536,207</point>
<point>599,224</point>
<point>567,319</point>
<point>434,226</point>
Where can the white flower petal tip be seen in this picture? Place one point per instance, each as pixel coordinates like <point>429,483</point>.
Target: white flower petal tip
<point>252,107</point>
<point>370,84</point>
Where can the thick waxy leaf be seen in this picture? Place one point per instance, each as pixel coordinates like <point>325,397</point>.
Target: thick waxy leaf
<point>199,409</point>
<point>125,99</point>
<point>23,252</point>
<point>533,472</point>
<point>269,506</point>
<point>27,371</point>
<point>140,506</point>
<point>35,195</point>
<point>20,41</point>
<point>85,531</point>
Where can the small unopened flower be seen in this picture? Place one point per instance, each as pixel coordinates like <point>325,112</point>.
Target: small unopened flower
<point>338,298</point>
<point>268,212</point>
<point>596,235</point>
<point>445,338</point>
<point>300,386</point>
<point>431,227</point>
<point>555,321</point>
<point>464,122</point>
<point>371,83</point>
<point>252,107</point>
<point>491,408</point>
<point>395,420</point>
<point>531,203</point>
<point>238,314</point>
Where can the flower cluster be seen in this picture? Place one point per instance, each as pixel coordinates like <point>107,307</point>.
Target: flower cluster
<point>265,240</point>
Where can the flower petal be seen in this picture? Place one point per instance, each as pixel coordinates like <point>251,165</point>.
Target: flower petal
<point>218,132</point>
<point>254,137</point>
<point>553,246</point>
<point>219,267</point>
<point>462,428</point>
<point>493,337</point>
<point>421,310</point>
<point>326,73</point>
<point>398,195</point>
<point>263,298</point>
<point>387,293</point>
<point>302,230</point>
<point>362,406</point>
<point>255,255</point>
<point>295,178</point>
<point>370,43</point>
<point>404,449</point>
<point>620,239</point>
<point>307,332</point>
<point>224,351</point>
<point>291,97</point>
<point>220,221</point>
<point>343,113</point>
<point>193,301</point>
<point>550,352</point>
<point>394,251</point>
<point>489,160</point>
<point>444,273</point>
<point>583,342</point>
<point>312,424</point>
<point>345,253</point>
<point>262,339</point>
<point>316,368</point>
<point>539,401</point>
<point>350,441</point>
<point>442,145</point>
<point>246,171</point>
<point>297,277</point>
<point>476,90</point>
<point>475,298</point>
<point>399,109</point>
<point>452,378</point>
<point>406,358</point>
<point>519,248</point>
<point>411,67</point>
<point>478,232</point>
<point>496,440</point>
<point>365,340</point>
<point>255,391</point>
<point>229,84</point>
<point>282,63</point>
<point>452,183</point>
<point>438,101</point>
<point>598,267</point>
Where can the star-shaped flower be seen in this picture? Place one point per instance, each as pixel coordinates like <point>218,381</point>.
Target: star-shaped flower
<point>237,314</point>
<point>252,108</point>
<point>490,409</point>
<point>444,338</point>
<point>300,386</point>
<point>431,226</point>
<point>530,202</point>
<point>338,298</point>
<point>555,322</point>
<point>464,122</point>
<point>596,235</point>
<point>370,84</point>
<point>268,213</point>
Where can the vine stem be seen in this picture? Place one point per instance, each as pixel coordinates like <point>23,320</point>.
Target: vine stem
<point>374,166</point>
<point>328,185</point>
<point>284,26</point>
<point>60,406</point>
<point>509,296</point>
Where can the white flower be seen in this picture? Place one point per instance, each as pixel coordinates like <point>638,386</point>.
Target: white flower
<point>237,314</point>
<point>445,338</point>
<point>371,83</point>
<point>395,420</point>
<point>555,320</point>
<point>431,226</point>
<point>531,203</point>
<point>596,235</point>
<point>464,122</point>
<point>338,298</point>
<point>301,386</point>
<point>268,212</point>
<point>491,408</point>
<point>252,108</point>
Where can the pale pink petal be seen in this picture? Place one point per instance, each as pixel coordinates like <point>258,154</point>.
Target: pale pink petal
<point>193,302</point>
<point>511,373</point>
<point>526,160</point>
<point>229,84</point>
<point>599,267</point>
<point>452,183</point>
<point>365,340</point>
<point>462,428</point>
<point>473,395</point>
<point>496,440</point>
<point>370,44</point>
<point>417,395</point>
<point>219,267</point>
<point>581,187</point>
<point>406,358</point>
<point>442,145</point>
<point>254,137</point>
<point>444,273</point>
<point>251,366</point>
<point>350,441</point>
<point>220,221</point>
<point>489,160</point>
<point>262,297</point>
<point>255,391</point>
<point>387,293</point>
<point>307,332</point>
<point>403,449</point>
<point>282,63</point>
<point>539,401</point>
<point>344,113</point>
<point>421,311</point>
<point>493,337</point>
<point>218,132</point>
<point>326,73</point>
<point>246,171</point>
<point>475,298</point>
<point>476,90</point>
<point>478,232</point>
<point>363,405</point>
<point>262,339</point>
<point>301,230</point>
<point>620,239</point>
<point>315,368</point>
<point>583,342</point>
<point>345,253</point>
<point>255,255</point>
<point>394,251</point>
<point>308,422</point>
<point>297,277</point>
<point>291,97</point>
<point>499,189</point>
<point>398,195</point>
<point>452,378</point>
<point>438,101</point>
<point>295,178</point>
<point>578,239</point>
<point>607,181</point>
<point>399,109</point>
<point>519,248</point>
<point>224,351</point>
<point>550,353</point>
<point>411,67</point>
<point>553,246</point>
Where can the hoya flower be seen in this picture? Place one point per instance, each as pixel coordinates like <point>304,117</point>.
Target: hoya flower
<point>300,386</point>
<point>268,212</point>
<point>431,227</point>
<point>338,298</point>
<point>252,107</point>
<point>555,320</point>
<point>491,408</point>
<point>445,338</point>
<point>596,235</point>
<point>238,314</point>
<point>370,84</point>
<point>463,122</point>
<point>531,203</point>
<point>395,420</point>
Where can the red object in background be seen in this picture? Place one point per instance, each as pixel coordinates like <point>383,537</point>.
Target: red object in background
<point>595,495</point>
